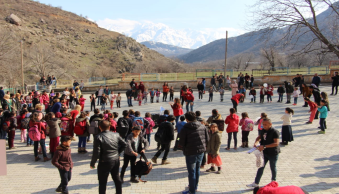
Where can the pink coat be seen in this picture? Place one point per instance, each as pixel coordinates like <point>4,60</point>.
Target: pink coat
<point>149,130</point>
<point>232,122</point>
<point>234,88</point>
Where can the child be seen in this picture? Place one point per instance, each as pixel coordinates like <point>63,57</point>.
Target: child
<point>313,109</point>
<point>113,123</point>
<point>82,102</point>
<point>103,101</point>
<point>210,91</point>
<point>295,95</point>
<point>222,92</point>
<point>118,100</point>
<point>281,92</point>
<point>157,93</point>
<point>140,97</point>
<point>232,122</point>
<point>83,123</point>
<point>262,94</point>
<point>92,100</point>
<point>54,131</point>
<point>28,99</point>
<point>116,116</point>
<point>63,161</point>
<point>246,127</point>
<point>323,115</point>
<point>145,96</point>
<point>286,130</point>
<point>253,93</point>
<point>134,146</point>
<point>9,125</point>
<point>171,93</point>
<point>21,119</point>
<point>190,89</point>
<point>152,94</point>
<point>112,97</point>
<point>179,126</point>
<point>106,113</point>
<point>259,122</point>
<point>149,129</point>
<point>269,93</point>
<point>213,147</point>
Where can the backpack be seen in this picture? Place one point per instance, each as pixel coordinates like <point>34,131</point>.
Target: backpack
<point>94,127</point>
<point>139,121</point>
<point>64,126</point>
<point>143,167</point>
<point>160,135</point>
<point>123,127</point>
<point>6,124</point>
<point>162,119</point>
<point>34,133</point>
<point>25,123</point>
<point>80,127</point>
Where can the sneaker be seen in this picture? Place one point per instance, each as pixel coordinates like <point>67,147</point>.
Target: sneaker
<point>164,162</point>
<point>186,192</point>
<point>210,169</point>
<point>58,190</point>
<point>134,180</point>
<point>308,122</point>
<point>294,104</point>
<point>218,172</point>
<point>154,160</point>
<point>253,185</point>
<point>321,132</point>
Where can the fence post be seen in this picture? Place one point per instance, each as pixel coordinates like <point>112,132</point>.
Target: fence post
<point>327,72</point>
<point>176,77</point>
<point>231,73</point>
<point>309,70</point>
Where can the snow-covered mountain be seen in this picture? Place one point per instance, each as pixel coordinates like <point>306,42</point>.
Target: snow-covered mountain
<point>158,32</point>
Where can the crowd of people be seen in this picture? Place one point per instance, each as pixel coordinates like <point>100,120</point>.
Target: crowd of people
<point>64,118</point>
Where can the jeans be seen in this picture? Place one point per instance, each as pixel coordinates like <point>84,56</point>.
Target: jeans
<point>118,103</point>
<point>3,134</point>
<point>171,96</point>
<point>103,106</point>
<point>82,142</point>
<point>322,124</point>
<point>253,99</point>
<point>235,105</point>
<point>269,98</point>
<point>230,138</point>
<point>129,101</point>
<point>221,97</point>
<point>281,97</point>
<point>177,119</point>
<point>295,100</point>
<point>127,159</point>
<point>29,141</point>
<point>148,137</point>
<point>106,168</point>
<point>193,163</point>
<point>164,147</point>
<point>273,162</point>
<point>210,97</point>
<point>65,178</point>
<point>29,105</point>
<point>188,103</point>
<point>43,147</point>
<point>99,100</point>
<point>200,93</point>
<point>336,89</point>
<point>145,100</point>
<point>92,105</point>
<point>220,85</point>
<point>288,97</point>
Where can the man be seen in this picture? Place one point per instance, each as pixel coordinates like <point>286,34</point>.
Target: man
<point>252,81</point>
<point>316,80</point>
<point>75,84</point>
<point>107,148</point>
<point>247,81</point>
<point>167,136</point>
<point>129,95</point>
<point>296,80</point>
<point>213,83</point>
<point>193,138</point>
<point>99,94</point>
<point>289,90</point>
<point>53,80</point>
<point>269,144</point>
<point>241,81</point>
<point>335,83</point>
<point>49,80</point>
<point>221,81</point>
<point>189,99</point>
<point>132,84</point>
<point>317,98</point>
<point>302,81</point>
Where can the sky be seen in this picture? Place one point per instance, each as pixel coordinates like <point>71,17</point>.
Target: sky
<point>178,14</point>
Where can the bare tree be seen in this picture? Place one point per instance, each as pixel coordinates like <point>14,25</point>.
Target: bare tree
<point>298,61</point>
<point>294,17</point>
<point>237,61</point>
<point>249,58</point>
<point>269,56</point>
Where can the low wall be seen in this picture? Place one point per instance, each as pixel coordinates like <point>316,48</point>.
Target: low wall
<point>270,79</point>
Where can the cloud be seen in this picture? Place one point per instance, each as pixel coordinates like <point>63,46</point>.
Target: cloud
<point>118,25</point>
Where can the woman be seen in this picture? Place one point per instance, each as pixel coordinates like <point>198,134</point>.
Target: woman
<point>182,94</point>
<point>234,87</point>
<point>236,99</point>
<point>83,121</point>
<point>35,122</point>
<point>177,109</point>
<point>201,89</point>
<point>45,99</point>
<point>72,97</point>
<point>67,93</point>
<point>232,122</point>
<point>74,113</point>
<point>165,90</point>
<point>17,103</point>
<point>306,93</point>
<point>204,83</point>
<point>8,102</point>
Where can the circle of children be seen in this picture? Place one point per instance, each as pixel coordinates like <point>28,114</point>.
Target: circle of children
<point>65,117</point>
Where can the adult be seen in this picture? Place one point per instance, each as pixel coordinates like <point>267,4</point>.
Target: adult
<point>317,98</point>
<point>221,81</point>
<point>129,95</point>
<point>99,94</point>
<point>166,139</point>
<point>53,80</point>
<point>141,87</point>
<point>35,122</point>
<point>42,80</point>
<point>234,87</point>
<point>49,80</point>
<point>75,84</point>
<point>236,99</point>
<point>2,94</point>
<point>189,99</point>
<point>241,80</point>
<point>177,109</point>
<point>107,148</point>
<point>335,83</point>
<point>204,83</point>
<point>201,89</point>
<point>107,91</point>
<point>193,138</point>
<point>67,94</point>
<point>296,81</point>
<point>269,144</point>
<point>306,93</point>
<point>8,102</point>
<point>302,81</point>
<point>82,85</point>
<point>252,81</point>
<point>273,188</point>
<point>215,116</point>
<point>316,80</point>
<point>213,82</point>
<point>247,81</point>
<point>289,90</point>
<point>132,84</point>
<point>165,90</point>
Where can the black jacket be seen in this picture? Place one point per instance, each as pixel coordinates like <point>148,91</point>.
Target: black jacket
<point>200,87</point>
<point>193,138</point>
<point>281,90</point>
<point>335,81</point>
<point>253,92</point>
<point>289,88</point>
<point>107,147</point>
<point>316,95</point>
<point>129,93</point>
<point>168,132</point>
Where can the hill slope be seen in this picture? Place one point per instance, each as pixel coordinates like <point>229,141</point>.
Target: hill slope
<point>74,46</point>
<point>166,49</point>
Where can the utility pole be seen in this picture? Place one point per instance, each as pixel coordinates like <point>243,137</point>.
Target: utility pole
<point>225,59</point>
<point>22,69</point>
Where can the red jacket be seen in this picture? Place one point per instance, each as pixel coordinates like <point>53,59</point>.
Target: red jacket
<point>45,98</point>
<point>237,97</point>
<point>188,96</point>
<point>272,188</point>
<point>312,105</point>
<point>177,110</point>
<point>113,126</point>
<point>142,87</point>
<point>18,120</point>
<point>232,122</point>
<point>165,89</point>
<point>41,127</point>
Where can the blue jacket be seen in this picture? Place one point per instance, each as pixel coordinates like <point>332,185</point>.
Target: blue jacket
<point>56,107</point>
<point>323,112</point>
<point>2,94</point>
<point>180,125</point>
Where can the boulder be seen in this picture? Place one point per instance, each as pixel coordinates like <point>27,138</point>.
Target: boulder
<point>87,31</point>
<point>13,19</point>
<point>42,21</point>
